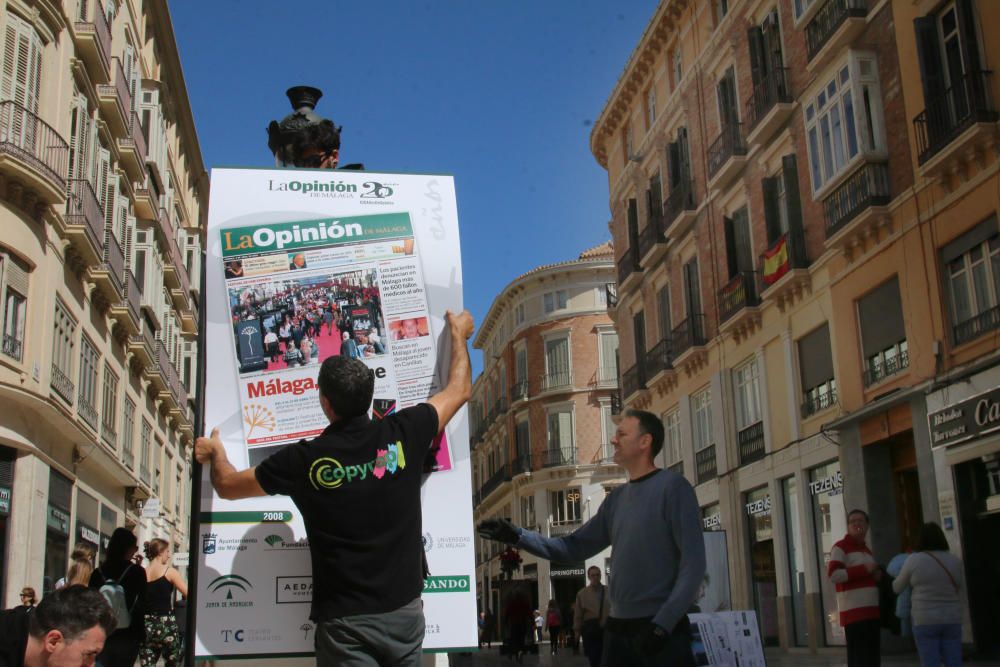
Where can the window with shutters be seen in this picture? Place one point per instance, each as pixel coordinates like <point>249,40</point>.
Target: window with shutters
<point>701,422</point>
<point>767,68</point>
<point>819,388</point>
<point>972,271</point>
<point>654,202</point>
<point>63,352</point>
<point>607,350</point>
<point>14,281</point>
<point>561,448</point>
<point>81,133</point>
<point>22,64</point>
<point>739,252</point>
<point>519,314</point>
<point>677,66</point>
<point>746,388</point>
<point>883,334</point>
<point>565,506</point>
<point>956,88</point>
<point>553,301</point>
<point>725,91</point>
<point>720,9</point>
<point>672,436</point>
<point>128,433</point>
<point>528,511</point>
<point>802,6</point>
<point>89,358</point>
<point>663,322</point>
<point>844,121</point>
<point>650,107</point>
<point>783,223</point>
<point>557,362</point>
<point>608,428</point>
<point>145,453</point>
<point>109,407</point>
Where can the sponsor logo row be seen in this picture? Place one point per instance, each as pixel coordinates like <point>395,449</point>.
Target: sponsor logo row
<point>211,543</point>
<point>230,591</point>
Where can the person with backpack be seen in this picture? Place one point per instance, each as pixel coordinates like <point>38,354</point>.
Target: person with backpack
<point>122,582</point>
<point>162,634</point>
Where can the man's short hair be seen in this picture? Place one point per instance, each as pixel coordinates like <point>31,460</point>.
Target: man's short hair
<point>347,384</point>
<point>288,146</point>
<point>862,513</point>
<point>651,424</point>
<point>592,568</point>
<point>72,611</point>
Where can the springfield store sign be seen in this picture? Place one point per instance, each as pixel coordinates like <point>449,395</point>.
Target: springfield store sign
<point>971,418</point>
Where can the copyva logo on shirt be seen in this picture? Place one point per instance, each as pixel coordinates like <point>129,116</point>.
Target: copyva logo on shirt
<point>329,473</point>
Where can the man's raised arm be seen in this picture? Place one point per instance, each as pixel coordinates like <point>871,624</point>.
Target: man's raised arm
<point>459,388</point>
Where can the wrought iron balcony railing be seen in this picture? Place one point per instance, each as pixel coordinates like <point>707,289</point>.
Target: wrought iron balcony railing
<point>628,264</point>
<point>660,358</point>
<point>751,443</point>
<point>877,371</point>
<point>12,347</point>
<point>681,198</point>
<point>865,188</point>
<point>728,144</point>
<point>968,101</point>
<point>27,137</point>
<point>974,327</point>
<point>770,90</point>
<point>633,380</point>
<point>828,19</point>
<point>704,464</point>
<point>689,333</point>
<point>737,294</point>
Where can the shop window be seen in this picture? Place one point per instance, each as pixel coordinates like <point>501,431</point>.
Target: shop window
<point>762,563</point>
<point>796,560</point>
<point>829,525</point>
<point>565,506</point>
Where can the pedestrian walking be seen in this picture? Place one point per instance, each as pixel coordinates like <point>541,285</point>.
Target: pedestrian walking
<point>118,568</point>
<point>553,623</point>
<point>163,637</point>
<point>590,611</point>
<point>855,574</point>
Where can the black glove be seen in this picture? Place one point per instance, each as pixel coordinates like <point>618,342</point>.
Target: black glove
<point>500,530</point>
<point>652,639</point>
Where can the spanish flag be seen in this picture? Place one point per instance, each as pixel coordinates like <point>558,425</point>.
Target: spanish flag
<point>776,261</point>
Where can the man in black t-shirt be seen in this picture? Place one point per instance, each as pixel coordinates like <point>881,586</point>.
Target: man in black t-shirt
<point>357,486</point>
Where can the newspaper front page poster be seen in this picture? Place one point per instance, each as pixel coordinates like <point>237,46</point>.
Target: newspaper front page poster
<point>302,265</point>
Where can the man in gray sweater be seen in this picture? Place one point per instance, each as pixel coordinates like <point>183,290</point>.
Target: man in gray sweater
<point>654,528</point>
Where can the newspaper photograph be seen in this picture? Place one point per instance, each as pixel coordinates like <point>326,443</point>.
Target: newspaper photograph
<point>300,292</point>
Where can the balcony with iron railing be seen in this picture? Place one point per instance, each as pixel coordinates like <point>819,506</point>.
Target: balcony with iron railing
<point>126,311</point>
<point>549,458</point>
<point>519,391</point>
<point>607,374</point>
<point>726,156</point>
<point>628,268</point>
<point>659,360</point>
<point>616,401</point>
<point>109,274</point>
<point>786,256</point>
<point>769,106</point>
<point>611,294</point>
<point>132,151</point>
<point>863,192</point>
<point>93,40</point>
<point>833,27</point>
<point>633,380</point>
<point>651,239</point>
<point>13,347</point>
<point>85,222</point>
<point>521,464</point>
<point>557,378</point>
<point>945,122</point>
<point>145,475</point>
<point>704,464</point>
<point>750,441</point>
<point>976,326</point>
<point>109,435</point>
<point>817,401</point>
<point>688,334</point>
<point>62,384</point>
<point>738,296</point>
<point>884,366</point>
<point>142,347</point>
<point>116,99</point>
<point>680,208</point>
<point>495,480</point>
<point>87,410</point>
<point>32,153</point>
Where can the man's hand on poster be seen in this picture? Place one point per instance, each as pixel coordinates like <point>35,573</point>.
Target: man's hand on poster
<point>500,530</point>
<point>461,324</point>
<point>205,448</point>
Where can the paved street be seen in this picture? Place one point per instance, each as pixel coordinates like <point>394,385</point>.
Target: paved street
<point>491,657</point>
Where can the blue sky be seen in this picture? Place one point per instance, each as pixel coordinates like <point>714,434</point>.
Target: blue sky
<point>500,94</point>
